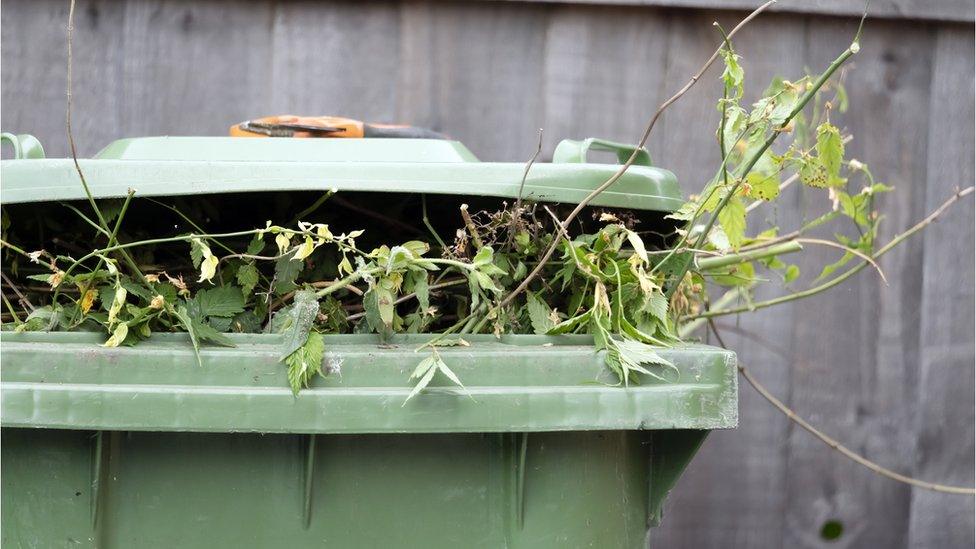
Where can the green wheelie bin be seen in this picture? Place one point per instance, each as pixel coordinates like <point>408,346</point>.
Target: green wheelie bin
<point>144,447</point>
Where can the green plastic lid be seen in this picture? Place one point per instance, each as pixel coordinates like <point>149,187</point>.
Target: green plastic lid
<point>171,166</point>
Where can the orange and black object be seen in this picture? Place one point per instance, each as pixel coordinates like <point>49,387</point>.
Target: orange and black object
<point>326,126</point>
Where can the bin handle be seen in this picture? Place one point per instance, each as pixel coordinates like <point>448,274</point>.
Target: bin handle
<point>25,145</point>
<point>571,151</point>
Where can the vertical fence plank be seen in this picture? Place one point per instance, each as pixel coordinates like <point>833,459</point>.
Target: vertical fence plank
<point>480,68</point>
<point>193,68</point>
<point>603,73</point>
<point>335,58</point>
<point>945,385</point>
<point>35,72</point>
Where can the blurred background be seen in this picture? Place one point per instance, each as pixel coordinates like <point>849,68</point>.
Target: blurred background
<point>887,370</point>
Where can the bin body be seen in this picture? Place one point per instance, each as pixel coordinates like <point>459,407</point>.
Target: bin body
<point>581,489</point>
<point>141,447</point>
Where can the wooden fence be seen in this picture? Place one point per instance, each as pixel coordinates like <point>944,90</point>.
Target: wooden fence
<point>888,370</point>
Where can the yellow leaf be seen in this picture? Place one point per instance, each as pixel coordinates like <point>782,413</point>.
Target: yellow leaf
<point>324,233</point>
<point>283,241</point>
<point>117,304</point>
<point>305,249</point>
<point>87,300</point>
<point>208,268</point>
<point>118,336</point>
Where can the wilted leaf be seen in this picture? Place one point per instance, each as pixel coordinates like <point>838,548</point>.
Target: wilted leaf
<point>733,220</point>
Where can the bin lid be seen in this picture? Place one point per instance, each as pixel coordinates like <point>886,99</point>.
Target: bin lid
<point>171,166</point>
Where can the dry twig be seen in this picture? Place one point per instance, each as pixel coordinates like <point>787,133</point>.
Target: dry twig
<point>843,450</point>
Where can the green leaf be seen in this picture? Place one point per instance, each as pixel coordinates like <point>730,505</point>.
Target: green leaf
<point>571,324</point>
<point>425,372</point>
<point>733,220</point>
<point>225,301</point>
<point>792,273</point>
<point>298,321</point>
<point>442,366</point>
<point>183,316</point>
<point>305,362</point>
<point>733,74</point>
<point>540,314</point>
<point>247,277</point>
<point>830,150</point>
<point>206,332</point>
<point>735,275</point>
<point>286,271</point>
<point>256,245</point>
<point>384,304</point>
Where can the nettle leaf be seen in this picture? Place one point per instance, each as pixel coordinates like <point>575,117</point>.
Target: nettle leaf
<point>540,315</point>
<point>183,316</point>
<point>830,150</point>
<point>196,252</point>
<point>572,324</point>
<point>733,74</point>
<point>225,301</point>
<point>247,277</point>
<point>207,333</point>
<point>305,362</point>
<point>425,372</point>
<point>256,245</point>
<point>733,221</point>
<point>297,321</point>
<point>286,271</point>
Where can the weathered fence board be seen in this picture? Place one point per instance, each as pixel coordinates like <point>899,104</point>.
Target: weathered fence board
<point>944,421</point>
<point>887,370</point>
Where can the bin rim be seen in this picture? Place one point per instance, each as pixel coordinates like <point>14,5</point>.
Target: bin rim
<point>520,383</point>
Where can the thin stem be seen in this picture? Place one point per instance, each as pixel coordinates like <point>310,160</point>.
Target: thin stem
<point>21,251</point>
<point>311,209</point>
<point>196,227</point>
<point>10,308</point>
<point>847,274</point>
<point>734,259</point>
<point>437,237</point>
<point>469,225</point>
<point>410,296</point>
<point>24,302</point>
